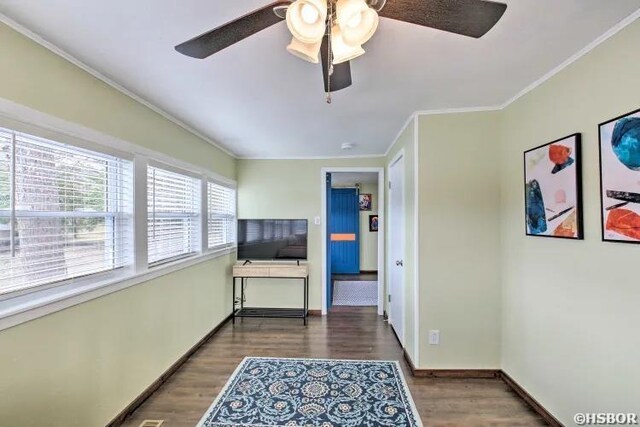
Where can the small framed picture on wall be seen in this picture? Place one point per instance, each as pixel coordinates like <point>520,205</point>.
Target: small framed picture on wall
<point>373,223</point>
<point>553,189</point>
<point>620,178</point>
<point>365,202</point>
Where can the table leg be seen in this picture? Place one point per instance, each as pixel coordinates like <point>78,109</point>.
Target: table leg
<point>233,304</point>
<point>244,281</point>
<point>306,299</point>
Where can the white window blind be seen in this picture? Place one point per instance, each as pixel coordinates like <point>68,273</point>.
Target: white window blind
<point>222,215</point>
<point>65,212</point>
<point>173,202</point>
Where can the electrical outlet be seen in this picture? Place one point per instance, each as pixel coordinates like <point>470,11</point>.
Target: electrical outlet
<point>434,337</point>
<point>316,220</point>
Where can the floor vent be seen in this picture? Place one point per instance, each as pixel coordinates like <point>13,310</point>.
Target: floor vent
<point>152,423</point>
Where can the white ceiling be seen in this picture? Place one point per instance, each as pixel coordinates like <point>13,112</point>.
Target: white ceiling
<point>344,179</point>
<point>259,101</point>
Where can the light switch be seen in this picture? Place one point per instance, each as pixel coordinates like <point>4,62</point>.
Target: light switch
<point>316,220</point>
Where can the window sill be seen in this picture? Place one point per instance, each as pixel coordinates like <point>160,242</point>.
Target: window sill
<point>14,311</point>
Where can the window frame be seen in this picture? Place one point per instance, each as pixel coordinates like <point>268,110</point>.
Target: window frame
<point>27,304</point>
<point>15,214</point>
<point>197,245</point>
<point>234,218</point>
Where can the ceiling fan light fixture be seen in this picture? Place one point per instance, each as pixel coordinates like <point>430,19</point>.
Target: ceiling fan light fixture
<point>307,51</point>
<point>357,21</point>
<point>306,20</point>
<point>343,52</point>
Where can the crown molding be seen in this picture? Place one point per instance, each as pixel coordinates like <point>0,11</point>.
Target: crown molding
<point>411,117</point>
<point>582,52</point>
<point>355,156</point>
<point>418,113</point>
<point>575,57</point>
<point>75,61</point>
<point>458,110</point>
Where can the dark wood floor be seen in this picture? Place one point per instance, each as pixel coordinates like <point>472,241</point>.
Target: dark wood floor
<point>346,334</point>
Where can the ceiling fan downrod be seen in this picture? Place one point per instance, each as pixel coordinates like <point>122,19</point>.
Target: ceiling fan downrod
<point>329,51</point>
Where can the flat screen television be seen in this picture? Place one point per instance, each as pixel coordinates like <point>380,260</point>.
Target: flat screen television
<point>272,239</point>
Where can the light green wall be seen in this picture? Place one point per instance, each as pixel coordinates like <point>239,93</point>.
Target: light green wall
<point>559,316</point>
<point>570,308</point>
<point>568,317</point>
<point>83,365</point>
<point>288,189</point>
<point>406,141</point>
<point>32,76</point>
<point>368,239</point>
<point>459,231</point>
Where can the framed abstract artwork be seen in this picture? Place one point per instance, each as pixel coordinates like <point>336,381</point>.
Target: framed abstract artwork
<point>553,189</point>
<point>620,178</point>
<point>373,223</point>
<point>365,202</point>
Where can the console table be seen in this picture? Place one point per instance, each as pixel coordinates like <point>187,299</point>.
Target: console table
<point>269,271</point>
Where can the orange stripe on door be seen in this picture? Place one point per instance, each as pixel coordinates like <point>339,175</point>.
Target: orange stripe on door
<point>345,237</point>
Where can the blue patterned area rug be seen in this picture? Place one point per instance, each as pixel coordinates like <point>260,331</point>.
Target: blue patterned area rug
<point>265,392</point>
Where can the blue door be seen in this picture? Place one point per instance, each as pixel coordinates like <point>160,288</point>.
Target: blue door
<point>329,274</point>
<point>344,231</point>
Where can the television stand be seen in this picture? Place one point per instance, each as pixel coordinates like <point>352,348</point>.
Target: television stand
<point>270,271</point>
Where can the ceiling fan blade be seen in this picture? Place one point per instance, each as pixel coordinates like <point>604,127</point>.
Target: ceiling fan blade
<point>341,77</point>
<point>473,18</point>
<point>232,32</point>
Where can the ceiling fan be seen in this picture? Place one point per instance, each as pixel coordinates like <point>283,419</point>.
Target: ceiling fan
<point>335,30</point>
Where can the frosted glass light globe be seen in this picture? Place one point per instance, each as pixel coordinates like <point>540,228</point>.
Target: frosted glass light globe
<point>309,14</point>
<point>306,20</point>
<point>355,20</point>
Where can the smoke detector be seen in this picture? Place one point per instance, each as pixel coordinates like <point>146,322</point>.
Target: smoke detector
<point>347,146</point>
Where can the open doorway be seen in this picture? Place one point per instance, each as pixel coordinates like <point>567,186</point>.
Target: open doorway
<point>353,252</point>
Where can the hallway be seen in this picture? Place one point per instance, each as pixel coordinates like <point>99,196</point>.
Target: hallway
<point>353,333</point>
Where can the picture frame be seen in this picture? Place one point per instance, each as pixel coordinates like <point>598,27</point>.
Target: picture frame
<point>619,154</point>
<point>553,189</point>
<point>365,200</point>
<point>373,223</point>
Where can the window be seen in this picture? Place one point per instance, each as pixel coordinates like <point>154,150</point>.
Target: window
<point>222,215</point>
<point>173,222</point>
<point>65,212</point>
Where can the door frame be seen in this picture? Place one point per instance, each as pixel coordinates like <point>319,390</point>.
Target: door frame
<point>381,230</point>
<point>399,156</point>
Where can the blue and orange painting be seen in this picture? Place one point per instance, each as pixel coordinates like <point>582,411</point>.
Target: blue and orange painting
<point>552,199</point>
<point>620,176</point>
<point>536,216</point>
<point>625,142</point>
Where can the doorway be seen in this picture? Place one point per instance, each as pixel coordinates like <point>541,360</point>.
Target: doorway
<point>353,238</point>
<point>396,246</point>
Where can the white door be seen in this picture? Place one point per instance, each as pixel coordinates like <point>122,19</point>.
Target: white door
<point>396,247</point>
